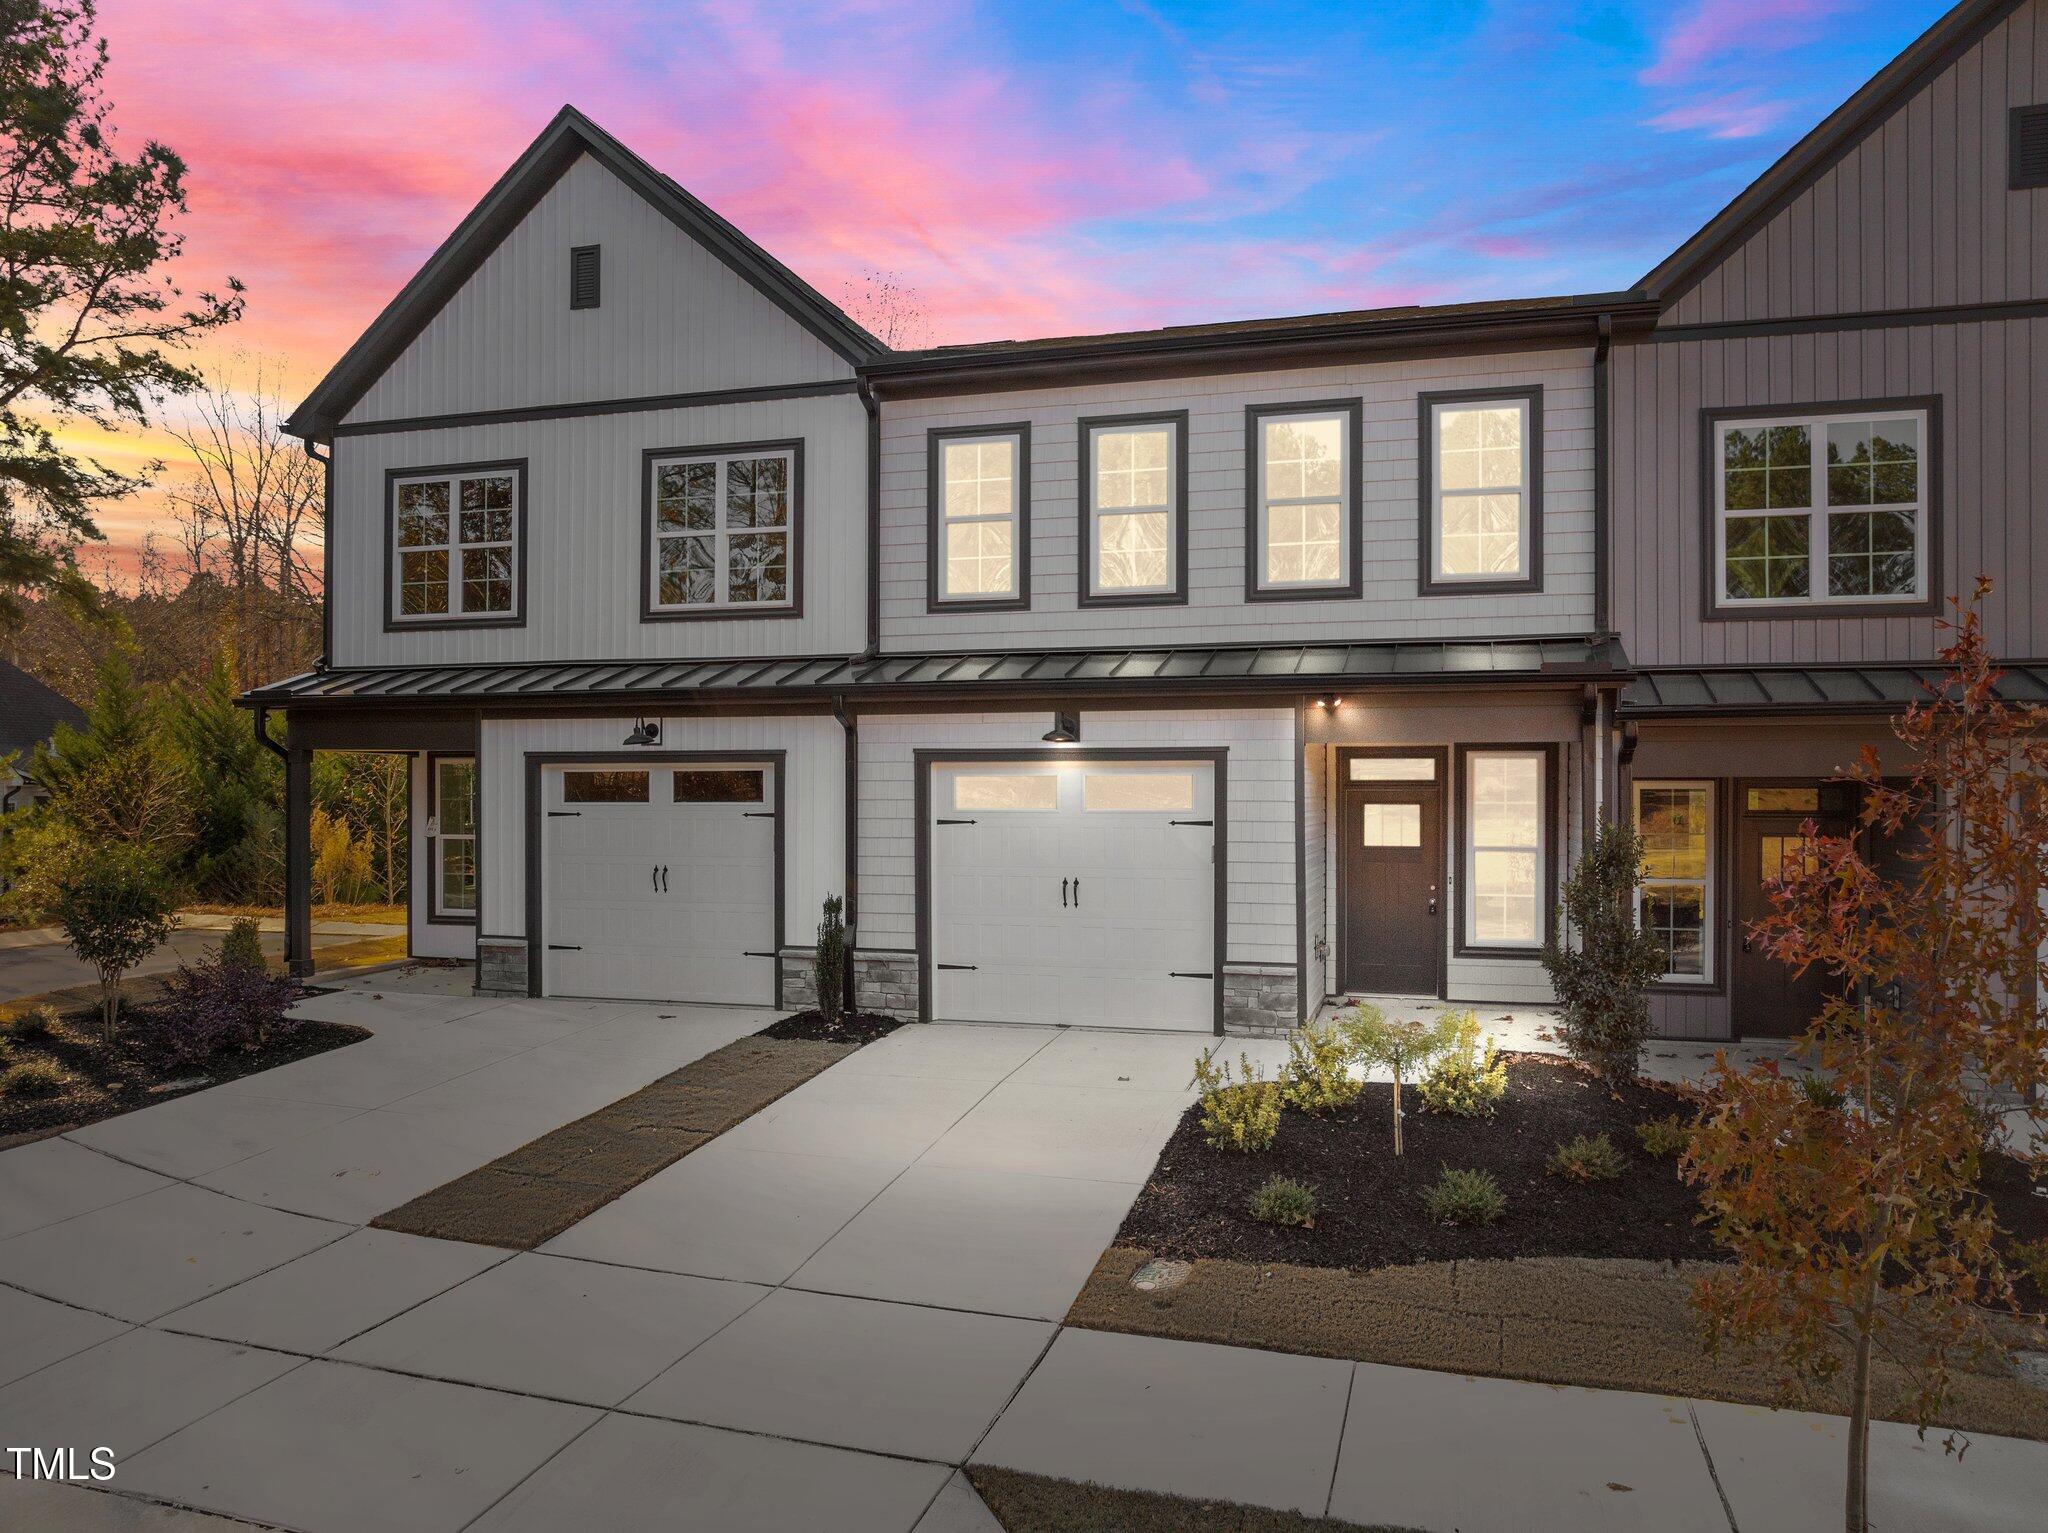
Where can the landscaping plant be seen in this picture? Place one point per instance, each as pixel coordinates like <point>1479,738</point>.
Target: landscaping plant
<point>1602,964</point>
<point>1241,1114</point>
<point>1317,1077</point>
<point>1587,1158</point>
<point>242,947</point>
<point>41,1021</point>
<point>1464,1197</point>
<point>37,1076</point>
<point>1465,1081</point>
<point>1283,1200</point>
<point>113,904</point>
<point>1859,1229</point>
<point>220,1004</point>
<point>1405,1047</point>
<point>828,969</point>
<point>1663,1137</point>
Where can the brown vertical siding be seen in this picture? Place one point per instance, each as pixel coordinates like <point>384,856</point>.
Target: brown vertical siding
<point>1917,214</point>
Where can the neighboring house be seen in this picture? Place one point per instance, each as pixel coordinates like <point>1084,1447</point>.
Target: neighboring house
<point>29,715</point>
<point>1177,679</point>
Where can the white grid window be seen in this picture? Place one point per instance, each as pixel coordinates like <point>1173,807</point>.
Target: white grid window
<point>1504,849</point>
<point>1481,489</point>
<point>455,836</point>
<point>978,509</point>
<point>722,530</point>
<point>1304,488</point>
<point>454,539</point>
<point>1674,902</point>
<point>1134,537</point>
<point>1820,509</point>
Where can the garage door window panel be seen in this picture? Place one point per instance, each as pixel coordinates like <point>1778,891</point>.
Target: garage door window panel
<point>604,787</point>
<point>718,785</point>
<point>1138,792</point>
<point>995,792</point>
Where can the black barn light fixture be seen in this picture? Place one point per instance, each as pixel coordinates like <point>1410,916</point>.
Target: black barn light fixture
<point>1066,729</point>
<point>645,732</point>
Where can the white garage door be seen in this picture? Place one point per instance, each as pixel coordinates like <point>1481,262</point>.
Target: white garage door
<point>1080,892</point>
<point>659,881</point>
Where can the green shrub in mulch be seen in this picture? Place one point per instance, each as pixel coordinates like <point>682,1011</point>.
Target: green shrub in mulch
<point>1588,1158</point>
<point>1285,1201</point>
<point>1464,1197</point>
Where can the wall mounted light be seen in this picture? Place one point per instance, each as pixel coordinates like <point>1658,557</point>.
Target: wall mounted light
<point>645,732</point>
<point>1329,703</point>
<point>1066,729</point>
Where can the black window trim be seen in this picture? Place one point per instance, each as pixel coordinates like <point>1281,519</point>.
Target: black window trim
<point>1932,461</point>
<point>596,254</point>
<point>934,599</point>
<point>741,613</point>
<point>1354,525</point>
<point>1084,452</point>
<point>436,916</point>
<point>1429,582</point>
<point>1554,834</point>
<point>444,623</point>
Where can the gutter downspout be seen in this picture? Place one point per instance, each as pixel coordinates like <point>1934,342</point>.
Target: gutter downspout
<point>849,722</point>
<point>326,558</point>
<point>1602,621</point>
<point>873,406</point>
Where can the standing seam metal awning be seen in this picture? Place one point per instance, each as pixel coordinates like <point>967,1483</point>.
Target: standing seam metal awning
<point>1233,667</point>
<point>1789,689</point>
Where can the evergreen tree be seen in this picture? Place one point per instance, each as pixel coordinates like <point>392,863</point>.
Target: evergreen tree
<point>122,777</point>
<point>237,851</point>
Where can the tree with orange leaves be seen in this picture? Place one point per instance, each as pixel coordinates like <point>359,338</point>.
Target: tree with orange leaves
<point>1850,1196</point>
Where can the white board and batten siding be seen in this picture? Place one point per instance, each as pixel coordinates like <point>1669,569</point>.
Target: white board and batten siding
<point>1539,719</point>
<point>814,800</point>
<point>1259,785</point>
<point>1216,611</point>
<point>674,318</point>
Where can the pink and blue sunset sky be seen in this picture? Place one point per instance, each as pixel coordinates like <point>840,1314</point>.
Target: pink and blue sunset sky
<point>1028,169</point>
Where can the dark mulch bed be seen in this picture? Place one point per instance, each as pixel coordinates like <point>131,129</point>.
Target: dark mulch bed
<point>1369,1211</point>
<point>1032,1503</point>
<point>135,1074</point>
<point>811,1027</point>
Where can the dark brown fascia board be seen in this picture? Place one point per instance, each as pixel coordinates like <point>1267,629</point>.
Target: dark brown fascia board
<point>1814,154</point>
<point>1166,352</point>
<point>567,136</point>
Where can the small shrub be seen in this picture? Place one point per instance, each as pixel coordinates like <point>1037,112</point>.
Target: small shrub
<point>45,1021</point>
<point>1588,1158</point>
<point>1602,976</point>
<point>828,968</point>
<point>36,1076</point>
<point>1465,1081</point>
<point>1285,1201</point>
<point>113,903</point>
<point>1819,1094</point>
<point>1663,1137</point>
<point>1242,1115</point>
<point>1404,1047</point>
<point>1464,1197</point>
<point>218,1005</point>
<point>1317,1077</point>
<point>243,944</point>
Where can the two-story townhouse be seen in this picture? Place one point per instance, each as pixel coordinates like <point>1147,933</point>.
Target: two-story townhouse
<point>1176,679</point>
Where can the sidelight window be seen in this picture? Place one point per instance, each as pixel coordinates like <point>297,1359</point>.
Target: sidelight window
<point>454,838</point>
<point>1505,848</point>
<point>1674,903</point>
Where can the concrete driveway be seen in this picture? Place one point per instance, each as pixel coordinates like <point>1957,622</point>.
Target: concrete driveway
<point>808,1323</point>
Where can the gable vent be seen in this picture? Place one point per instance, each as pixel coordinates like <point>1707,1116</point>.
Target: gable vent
<point>583,277</point>
<point>2029,146</point>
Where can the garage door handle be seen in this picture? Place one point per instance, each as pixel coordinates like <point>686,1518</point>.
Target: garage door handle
<point>654,879</point>
<point>959,822</point>
<point>1190,974</point>
<point>1191,822</point>
<point>664,878</point>
<point>1077,894</point>
<point>1063,892</point>
<point>959,966</point>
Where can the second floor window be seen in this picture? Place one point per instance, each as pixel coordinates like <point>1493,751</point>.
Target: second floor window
<point>1481,496</point>
<point>1303,508</point>
<point>1135,483</point>
<point>722,529</point>
<point>980,517</point>
<point>455,545</point>
<point>1820,510</point>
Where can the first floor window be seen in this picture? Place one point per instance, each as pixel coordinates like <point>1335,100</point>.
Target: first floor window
<point>1301,475</point>
<point>454,836</point>
<point>978,501</point>
<point>1482,498</point>
<point>1135,493</point>
<point>455,545</point>
<point>1823,508</point>
<point>1505,846</point>
<point>1673,903</point>
<point>723,528</point>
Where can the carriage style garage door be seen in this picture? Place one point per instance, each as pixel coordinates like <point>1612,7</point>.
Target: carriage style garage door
<point>1078,892</point>
<point>659,881</point>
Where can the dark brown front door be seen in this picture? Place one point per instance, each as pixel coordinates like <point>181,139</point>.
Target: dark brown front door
<point>1392,857</point>
<point>1770,1000</point>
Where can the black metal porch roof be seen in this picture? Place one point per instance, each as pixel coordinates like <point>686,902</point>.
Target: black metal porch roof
<point>1230,668</point>
<point>1712,691</point>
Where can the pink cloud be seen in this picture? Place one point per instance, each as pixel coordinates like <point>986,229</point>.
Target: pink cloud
<point>1734,114</point>
<point>1715,31</point>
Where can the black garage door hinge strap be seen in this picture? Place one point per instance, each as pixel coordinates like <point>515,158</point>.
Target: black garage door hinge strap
<point>758,814</point>
<point>565,947</point>
<point>749,953</point>
<point>1191,822</point>
<point>1190,974</point>
<point>565,814</point>
<point>959,822</point>
<point>959,966</point>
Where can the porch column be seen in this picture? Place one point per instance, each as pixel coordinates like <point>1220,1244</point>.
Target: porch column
<point>298,859</point>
